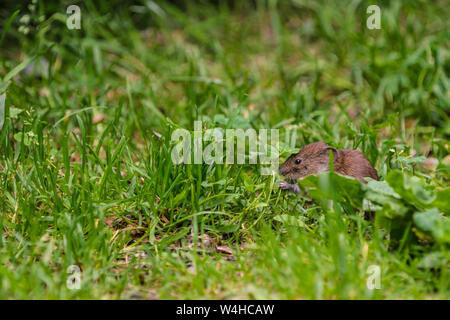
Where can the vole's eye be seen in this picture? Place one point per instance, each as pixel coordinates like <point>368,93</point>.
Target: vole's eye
<point>298,161</point>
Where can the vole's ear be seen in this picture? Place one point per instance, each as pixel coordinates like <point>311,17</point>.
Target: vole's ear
<point>327,151</point>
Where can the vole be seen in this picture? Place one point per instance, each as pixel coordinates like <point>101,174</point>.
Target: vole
<point>314,159</point>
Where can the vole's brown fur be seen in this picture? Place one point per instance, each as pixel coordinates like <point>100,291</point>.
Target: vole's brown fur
<point>315,159</point>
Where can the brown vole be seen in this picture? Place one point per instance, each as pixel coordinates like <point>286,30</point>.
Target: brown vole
<point>314,159</point>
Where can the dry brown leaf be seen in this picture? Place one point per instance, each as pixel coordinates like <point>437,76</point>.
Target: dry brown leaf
<point>224,249</point>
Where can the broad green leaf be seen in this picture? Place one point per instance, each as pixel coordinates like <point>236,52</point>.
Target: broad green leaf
<point>416,192</point>
<point>380,187</point>
<point>442,200</point>
<point>381,193</point>
<point>320,187</point>
<point>411,189</point>
<point>433,223</point>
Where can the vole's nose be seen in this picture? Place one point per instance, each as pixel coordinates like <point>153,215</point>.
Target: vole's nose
<point>282,171</point>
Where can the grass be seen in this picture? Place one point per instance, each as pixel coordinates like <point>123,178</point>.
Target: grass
<point>86,176</point>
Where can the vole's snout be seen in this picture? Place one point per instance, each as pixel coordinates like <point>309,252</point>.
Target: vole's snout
<point>283,171</point>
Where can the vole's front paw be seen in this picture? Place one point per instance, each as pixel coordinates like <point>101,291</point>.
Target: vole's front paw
<point>284,185</point>
<point>287,186</point>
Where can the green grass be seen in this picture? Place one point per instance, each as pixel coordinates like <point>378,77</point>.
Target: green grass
<point>86,176</point>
